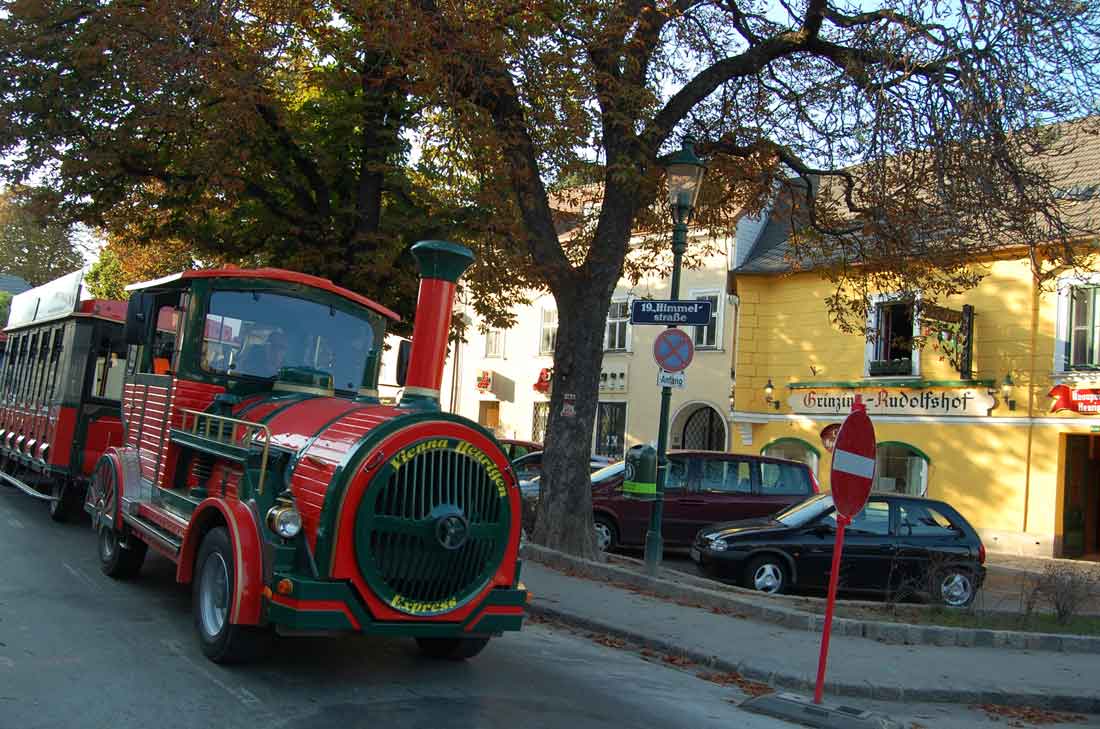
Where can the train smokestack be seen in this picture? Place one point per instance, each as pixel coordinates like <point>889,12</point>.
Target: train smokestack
<point>441,264</point>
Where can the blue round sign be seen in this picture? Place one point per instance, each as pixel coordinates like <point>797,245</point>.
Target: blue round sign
<point>673,350</point>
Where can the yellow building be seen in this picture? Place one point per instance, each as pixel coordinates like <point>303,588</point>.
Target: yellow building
<point>1021,465</point>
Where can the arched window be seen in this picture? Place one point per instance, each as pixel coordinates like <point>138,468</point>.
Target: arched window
<point>703,428</point>
<point>900,468</point>
<point>794,449</point>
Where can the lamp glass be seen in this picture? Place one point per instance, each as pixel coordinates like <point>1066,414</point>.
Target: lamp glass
<point>1006,387</point>
<point>769,389</point>
<point>685,175</point>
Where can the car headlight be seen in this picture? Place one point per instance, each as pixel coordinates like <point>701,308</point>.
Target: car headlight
<point>716,544</point>
<point>284,520</point>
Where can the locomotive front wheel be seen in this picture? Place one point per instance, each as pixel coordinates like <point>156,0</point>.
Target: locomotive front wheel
<point>212,600</point>
<point>454,649</point>
<point>118,560</point>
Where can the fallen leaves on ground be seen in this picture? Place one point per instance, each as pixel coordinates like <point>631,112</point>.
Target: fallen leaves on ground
<point>732,678</point>
<point>608,640</point>
<point>1022,716</point>
<point>677,660</point>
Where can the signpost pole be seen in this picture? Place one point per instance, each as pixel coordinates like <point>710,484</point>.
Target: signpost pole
<point>654,544</point>
<point>826,632</point>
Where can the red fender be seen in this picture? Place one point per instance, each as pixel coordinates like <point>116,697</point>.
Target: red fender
<point>244,534</point>
<point>124,462</point>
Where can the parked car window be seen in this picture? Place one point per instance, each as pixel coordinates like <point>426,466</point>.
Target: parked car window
<point>874,519</point>
<point>806,511</point>
<point>676,476</point>
<point>918,520</point>
<point>784,479</point>
<point>722,476</point>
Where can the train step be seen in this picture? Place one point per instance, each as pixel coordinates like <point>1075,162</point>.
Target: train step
<point>26,488</point>
<point>164,540</point>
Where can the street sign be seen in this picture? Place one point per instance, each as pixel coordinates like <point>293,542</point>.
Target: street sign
<point>644,311</point>
<point>671,379</point>
<point>853,462</point>
<point>851,476</point>
<point>673,350</point>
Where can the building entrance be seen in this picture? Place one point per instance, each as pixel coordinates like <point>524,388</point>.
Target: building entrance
<point>1081,498</point>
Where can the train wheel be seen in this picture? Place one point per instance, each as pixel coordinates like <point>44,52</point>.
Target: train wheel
<point>212,601</point>
<point>454,649</point>
<point>67,504</point>
<point>118,559</point>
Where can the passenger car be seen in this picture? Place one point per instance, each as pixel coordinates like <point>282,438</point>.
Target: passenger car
<point>896,545</point>
<point>528,469</point>
<point>515,448</point>
<point>701,487</point>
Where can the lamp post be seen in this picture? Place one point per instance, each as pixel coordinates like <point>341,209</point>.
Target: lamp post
<point>685,176</point>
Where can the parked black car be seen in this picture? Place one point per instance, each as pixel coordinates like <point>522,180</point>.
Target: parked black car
<point>897,545</point>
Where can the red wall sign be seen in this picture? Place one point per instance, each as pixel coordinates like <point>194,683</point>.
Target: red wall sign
<point>542,384</point>
<point>1086,402</point>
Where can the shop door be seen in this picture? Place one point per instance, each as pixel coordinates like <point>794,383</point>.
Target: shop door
<point>1081,498</point>
<point>488,414</point>
<point>610,429</point>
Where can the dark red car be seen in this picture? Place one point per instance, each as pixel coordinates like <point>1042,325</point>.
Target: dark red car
<point>702,487</point>
<point>514,448</point>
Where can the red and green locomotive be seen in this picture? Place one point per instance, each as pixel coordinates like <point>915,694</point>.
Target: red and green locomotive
<point>256,455</point>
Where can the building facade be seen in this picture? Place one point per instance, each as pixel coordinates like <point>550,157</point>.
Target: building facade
<point>501,378</point>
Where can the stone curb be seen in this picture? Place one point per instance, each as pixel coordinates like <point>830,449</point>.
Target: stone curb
<point>689,588</point>
<point>866,690</point>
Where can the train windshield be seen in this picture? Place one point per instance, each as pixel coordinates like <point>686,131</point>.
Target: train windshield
<point>260,333</point>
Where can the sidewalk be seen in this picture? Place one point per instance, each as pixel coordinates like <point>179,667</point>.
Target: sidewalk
<point>787,658</point>
<point>1017,563</point>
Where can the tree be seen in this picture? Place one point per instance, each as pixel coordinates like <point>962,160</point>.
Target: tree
<point>901,133</point>
<point>271,132</point>
<point>5,307</point>
<point>32,246</point>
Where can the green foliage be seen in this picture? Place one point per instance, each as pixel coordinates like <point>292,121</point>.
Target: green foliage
<point>31,246</point>
<point>5,307</point>
<point>106,277</point>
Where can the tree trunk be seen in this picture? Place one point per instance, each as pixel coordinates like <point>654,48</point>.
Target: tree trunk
<point>564,518</point>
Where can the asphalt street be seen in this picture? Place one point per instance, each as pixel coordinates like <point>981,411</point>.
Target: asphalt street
<point>81,651</point>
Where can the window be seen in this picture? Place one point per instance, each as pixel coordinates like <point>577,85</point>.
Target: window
<point>890,351</point>
<point>615,336</point>
<point>494,343</point>
<point>793,449</point>
<point>1084,332</point>
<point>260,334</point>
<point>784,479</point>
<point>610,429</point>
<point>548,331</point>
<point>539,419</point>
<point>874,520</point>
<point>900,469</point>
<point>722,476</point>
<point>918,520</point>
<point>707,337</point>
<point>676,475</point>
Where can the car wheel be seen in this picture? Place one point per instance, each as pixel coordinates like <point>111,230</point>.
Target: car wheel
<point>767,574</point>
<point>607,536</point>
<point>212,596</point>
<point>954,587</point>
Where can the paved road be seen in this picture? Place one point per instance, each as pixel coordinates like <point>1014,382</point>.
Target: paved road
<point>80,650</point>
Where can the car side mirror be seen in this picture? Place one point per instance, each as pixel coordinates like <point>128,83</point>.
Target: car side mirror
<point>403,351</point>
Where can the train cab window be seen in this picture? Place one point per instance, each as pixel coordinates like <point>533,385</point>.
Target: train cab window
<point>110,366</point>
<point>164,341</point>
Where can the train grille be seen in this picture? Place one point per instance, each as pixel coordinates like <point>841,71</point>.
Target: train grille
<point>433,528</point>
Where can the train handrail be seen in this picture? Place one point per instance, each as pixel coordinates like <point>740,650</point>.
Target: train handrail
<point>201,425</point>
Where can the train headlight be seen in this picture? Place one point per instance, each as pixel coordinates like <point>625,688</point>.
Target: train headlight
<point>285,521</point>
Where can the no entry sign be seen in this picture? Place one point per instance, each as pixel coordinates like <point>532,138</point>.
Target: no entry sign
<point>851,476</point>
<point>853,462</point>
<point>673,350</point>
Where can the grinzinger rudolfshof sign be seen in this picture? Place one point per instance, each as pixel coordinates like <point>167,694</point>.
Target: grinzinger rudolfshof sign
<point>894,401</point>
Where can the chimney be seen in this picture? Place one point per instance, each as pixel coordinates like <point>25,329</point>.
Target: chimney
<point>441,264</point>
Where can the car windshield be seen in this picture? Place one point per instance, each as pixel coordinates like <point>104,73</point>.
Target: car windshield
<point>260,333</point>
<point>805,511</point>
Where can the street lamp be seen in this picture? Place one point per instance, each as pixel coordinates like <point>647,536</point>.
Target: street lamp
<point>1006,391</point>
<point>685,177</point>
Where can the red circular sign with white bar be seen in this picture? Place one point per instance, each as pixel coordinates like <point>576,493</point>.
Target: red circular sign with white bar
<point>853,469</point>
